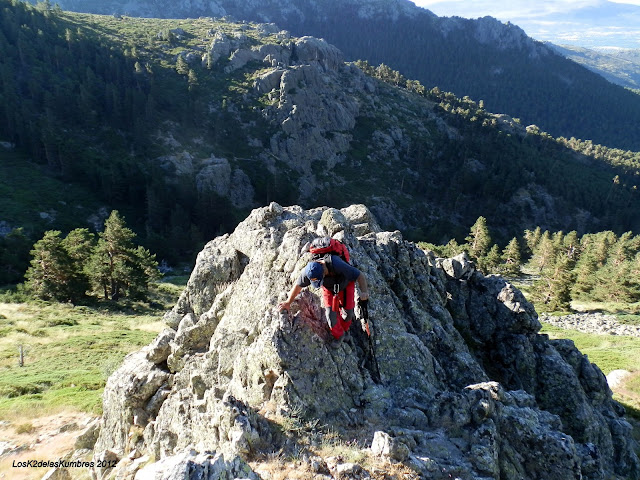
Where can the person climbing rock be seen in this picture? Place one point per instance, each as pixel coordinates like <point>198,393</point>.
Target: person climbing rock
<point>337,279</point>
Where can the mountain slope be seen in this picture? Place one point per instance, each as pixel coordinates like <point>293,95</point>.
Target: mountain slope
<point>618,66</point>
<point>593,23</point>
<point>190,123</point>
<point>482,58</point>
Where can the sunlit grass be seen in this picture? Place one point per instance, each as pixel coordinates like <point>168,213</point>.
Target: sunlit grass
<point>69,351</point>
<point>609,352</point>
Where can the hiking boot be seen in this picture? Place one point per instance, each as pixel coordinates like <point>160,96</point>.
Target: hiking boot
<point>335,342</point>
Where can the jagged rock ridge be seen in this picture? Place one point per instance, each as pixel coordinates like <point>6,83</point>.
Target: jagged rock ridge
<point>305,80</point>
<point>468,385</point>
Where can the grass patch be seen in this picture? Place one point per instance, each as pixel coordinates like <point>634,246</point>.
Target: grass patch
<point>609,352</point>
<point>631,311</point>
<point>69,351</point>
<point>25,428</point>
<point>629,319</point>
<point>629,395</point>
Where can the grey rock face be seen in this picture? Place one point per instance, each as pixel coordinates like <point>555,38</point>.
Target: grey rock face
<point>217,175</point>
<point>128,396</point>
<point>468,388</point>
<point>459,267</point>
<point>87,439</point>
<point>57,474</point>
<point>311,105</point>
<point>196,466</point>
<point>314,113</point>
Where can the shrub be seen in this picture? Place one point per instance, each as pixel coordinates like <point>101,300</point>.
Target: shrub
<point>25,428</point>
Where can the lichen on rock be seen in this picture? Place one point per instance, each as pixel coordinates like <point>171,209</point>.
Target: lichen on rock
<point>468,386</point>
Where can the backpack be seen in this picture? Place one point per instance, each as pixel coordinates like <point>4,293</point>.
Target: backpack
<point>323,246</point>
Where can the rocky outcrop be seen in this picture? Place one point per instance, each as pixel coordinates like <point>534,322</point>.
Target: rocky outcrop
<point>311,105</point>
<point>218,176</point>
<point>314,114</point>
<point>468,387</point>
<point>194,465</point>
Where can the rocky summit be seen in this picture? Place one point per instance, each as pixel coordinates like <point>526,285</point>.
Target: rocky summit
<point>467,387</point>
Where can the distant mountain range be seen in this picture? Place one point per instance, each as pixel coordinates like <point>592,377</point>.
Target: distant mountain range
<point>619,66</point>
<point>585,23</point>
<point>483,59</point>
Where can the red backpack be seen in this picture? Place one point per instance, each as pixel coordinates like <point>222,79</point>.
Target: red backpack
<point>323,246</point>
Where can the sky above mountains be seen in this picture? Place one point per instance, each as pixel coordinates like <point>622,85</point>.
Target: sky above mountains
<point>586,23</point>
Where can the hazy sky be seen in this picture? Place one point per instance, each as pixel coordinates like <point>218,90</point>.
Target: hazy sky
<point>559,21</point>
<point>506,9</point>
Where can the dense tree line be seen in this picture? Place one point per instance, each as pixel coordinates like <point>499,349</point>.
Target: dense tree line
<point>55,77</point>
<point>600,267</point>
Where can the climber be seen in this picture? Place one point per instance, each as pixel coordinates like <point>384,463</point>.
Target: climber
<point>337,279</point>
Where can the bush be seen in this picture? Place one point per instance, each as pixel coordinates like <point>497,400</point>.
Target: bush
<point>57,322</point>
<point>25,428</point>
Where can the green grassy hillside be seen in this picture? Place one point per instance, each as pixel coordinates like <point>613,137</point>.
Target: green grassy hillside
<point>69,351</point>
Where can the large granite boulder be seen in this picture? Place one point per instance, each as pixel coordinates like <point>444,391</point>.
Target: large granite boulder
<point>468,388</point>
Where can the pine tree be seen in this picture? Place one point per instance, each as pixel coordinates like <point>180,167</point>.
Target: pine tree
<point>511,258</point>
<point>602,244</point>
<point>557,239</point>
<point>192,80</point>
<point>532,238</point>
<point>53,274</point>
<point>586,268</point>
<point>451,249</point>
<point>210,62</point>
<point>613,280</point>
<point>559,293</point>
<point>182,67</point>
<point>145,272</point>
<point>545,253</point>
<point>572,245</point>
<point>479,240</point>
<point>116,266</point>
<point>634,278</point>
<point>491,261</point>
<point>553,290</point>
<point>79,244</point>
